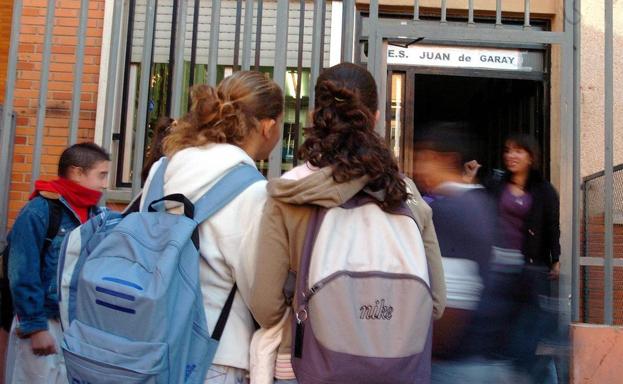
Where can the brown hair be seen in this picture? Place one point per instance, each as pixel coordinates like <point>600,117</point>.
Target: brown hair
<point>226,114</point>
<point>342,135</point>
<point>161,129</point>
<point>528,144</point>
<point>82,155</point>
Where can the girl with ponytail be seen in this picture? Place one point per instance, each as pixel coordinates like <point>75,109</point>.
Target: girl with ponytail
<point>236,122</point>
<point>343,157</point>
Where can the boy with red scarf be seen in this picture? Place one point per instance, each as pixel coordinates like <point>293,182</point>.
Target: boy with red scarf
<point>34,354</point>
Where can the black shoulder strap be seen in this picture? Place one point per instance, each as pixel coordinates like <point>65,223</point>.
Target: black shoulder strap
<point>222,319</point>
<point>55,211</point>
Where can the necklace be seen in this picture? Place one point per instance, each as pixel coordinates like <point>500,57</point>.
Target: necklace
<point>519,200</point>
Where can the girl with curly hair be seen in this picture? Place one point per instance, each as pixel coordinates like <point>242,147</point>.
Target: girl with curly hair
<point>343,157</point>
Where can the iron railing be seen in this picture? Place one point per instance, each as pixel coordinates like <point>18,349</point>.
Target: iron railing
<point>600,297</point>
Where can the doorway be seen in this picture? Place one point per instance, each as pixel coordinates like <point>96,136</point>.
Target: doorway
<point>492,107</point>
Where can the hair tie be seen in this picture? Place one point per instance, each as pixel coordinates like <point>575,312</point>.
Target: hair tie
<point>339,99</point>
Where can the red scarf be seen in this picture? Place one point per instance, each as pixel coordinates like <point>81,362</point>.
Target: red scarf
<point>79,198</point>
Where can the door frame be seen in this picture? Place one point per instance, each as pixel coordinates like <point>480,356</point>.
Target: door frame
<point>405,160</point>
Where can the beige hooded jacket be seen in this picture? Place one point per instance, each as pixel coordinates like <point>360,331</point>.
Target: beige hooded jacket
<point>282,233</point>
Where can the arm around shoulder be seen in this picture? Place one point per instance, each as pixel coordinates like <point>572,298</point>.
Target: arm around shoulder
<point>267,302</point>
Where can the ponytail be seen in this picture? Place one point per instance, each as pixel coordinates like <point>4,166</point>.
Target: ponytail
<point>227,114</point>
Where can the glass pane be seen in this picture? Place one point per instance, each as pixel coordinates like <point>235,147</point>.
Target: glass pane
<point>396,122</point>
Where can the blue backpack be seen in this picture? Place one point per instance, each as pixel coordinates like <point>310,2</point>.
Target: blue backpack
<point>130,297</point>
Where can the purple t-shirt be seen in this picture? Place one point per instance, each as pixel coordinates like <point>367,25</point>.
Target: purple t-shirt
<point>513,213</point>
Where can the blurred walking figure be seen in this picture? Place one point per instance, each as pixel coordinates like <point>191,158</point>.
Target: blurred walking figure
<point>55,208</point>
<point>465,217</point>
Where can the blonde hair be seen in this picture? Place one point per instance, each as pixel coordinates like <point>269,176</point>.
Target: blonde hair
<point>226,114</point>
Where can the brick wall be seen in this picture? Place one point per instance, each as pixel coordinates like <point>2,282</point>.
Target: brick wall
<point>6,9</point>
<point>58,104</point>
<point>592,277</point>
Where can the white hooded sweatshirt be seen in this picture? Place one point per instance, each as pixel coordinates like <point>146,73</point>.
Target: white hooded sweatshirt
<point>227,240</point>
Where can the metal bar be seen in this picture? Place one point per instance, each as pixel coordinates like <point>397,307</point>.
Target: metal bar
<point>78,70</point>
<point>258,34</point>
<point>498,12</point>
<point>315,55</point>
<point>348,29</point>
<point>608,160</point>
<point>143,95</point>
<point>599,262</point>
<point>193,49</point>
<point>464,33</point>
<point>322,33</point>
<point>381,79</point>
<point>592,261</point>
<point>279,76</point>
<point>6,142</point>
<point>43,92</point>
<point>178,67</point>
<point>172,40</point>
<point>470,12</point>
<point>6,169</point>
<point>111,78</point>
<point>444,11</point>
<point>582,273</point>
<point>215,28</point>
<point>388,107</point>
<point>237,34</point>
<point>601,173</point>
<point>575,274</point>
<point>246,39</point>
<point>567,193</point>
<point>373,48</point>
<point>416,10</point>
<point>526,16</point>
<point>299,79</point>
<point>126,96</point>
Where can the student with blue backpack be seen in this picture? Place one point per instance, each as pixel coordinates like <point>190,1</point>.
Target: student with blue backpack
<point>348,263</point>
<point>233,124</point>
<point>158,295</point>
<point>55,208</point>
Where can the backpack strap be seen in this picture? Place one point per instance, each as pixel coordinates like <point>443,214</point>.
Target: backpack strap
<point>225,190</point>
<point>222,319</point>
<point>238,179</point>
<point>313,227</point>
<point>55,213</point>
<point>156,185</point>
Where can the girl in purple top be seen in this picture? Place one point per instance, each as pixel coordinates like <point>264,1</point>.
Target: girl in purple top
<point>528,207</point>
<point>527,254</point>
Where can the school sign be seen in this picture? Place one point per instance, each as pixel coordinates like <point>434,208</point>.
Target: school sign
<point>459,57</point>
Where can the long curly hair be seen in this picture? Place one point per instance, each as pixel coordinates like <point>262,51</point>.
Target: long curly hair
<point>226,114</point>
<point>342,135</point>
